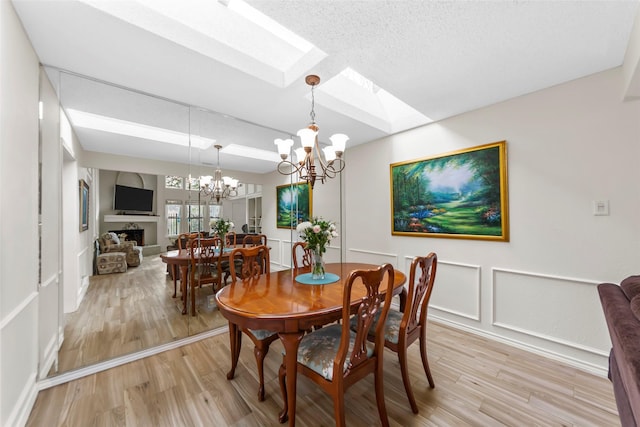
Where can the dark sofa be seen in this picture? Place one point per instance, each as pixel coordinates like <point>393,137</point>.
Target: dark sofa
<point>621,306</point>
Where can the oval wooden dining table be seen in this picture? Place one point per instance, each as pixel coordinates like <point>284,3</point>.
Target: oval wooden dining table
<point>279,303</point>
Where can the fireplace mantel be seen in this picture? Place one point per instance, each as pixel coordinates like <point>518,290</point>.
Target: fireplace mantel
<point>131,218</point>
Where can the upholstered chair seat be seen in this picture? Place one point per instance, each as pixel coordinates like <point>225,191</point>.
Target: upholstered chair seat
<point>392,328</point>
<point>261,334</point>
<point>318,350</point>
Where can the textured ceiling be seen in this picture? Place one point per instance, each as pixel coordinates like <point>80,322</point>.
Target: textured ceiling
<point>442,58</point>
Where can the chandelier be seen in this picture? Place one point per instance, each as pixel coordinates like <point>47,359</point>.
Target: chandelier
<point>312,163</point>
<point>218,187</point>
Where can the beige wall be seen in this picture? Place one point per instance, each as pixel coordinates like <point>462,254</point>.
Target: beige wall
<point>567,146</point>
<point>18,219</point>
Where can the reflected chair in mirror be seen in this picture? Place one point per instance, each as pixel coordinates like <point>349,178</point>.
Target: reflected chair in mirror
<point>301,255</point>
<point>182,242</point>
<point>205,266</point>
<point>184,239</point>
<point>336,357</point>
<point>255,262</point>
<point>230,239</point>
<point>402,329</point>
<point>254,240</point>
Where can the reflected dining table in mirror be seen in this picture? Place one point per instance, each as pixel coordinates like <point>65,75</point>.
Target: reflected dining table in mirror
<point>181,259</point>
<point>278,302</point>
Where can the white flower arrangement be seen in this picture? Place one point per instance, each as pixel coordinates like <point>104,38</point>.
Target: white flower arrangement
<point>317,233</point>
<point>220,227</point>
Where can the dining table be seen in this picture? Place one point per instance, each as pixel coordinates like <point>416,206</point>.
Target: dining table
<point>181,259</point>
<point>280,302</point>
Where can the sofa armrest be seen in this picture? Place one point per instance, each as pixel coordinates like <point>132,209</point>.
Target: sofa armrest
<point>624,331</point>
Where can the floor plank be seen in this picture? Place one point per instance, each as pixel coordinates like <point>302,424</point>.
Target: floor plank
<point>479,382</point>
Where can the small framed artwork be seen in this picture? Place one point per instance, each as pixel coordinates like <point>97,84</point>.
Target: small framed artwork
<point>462,194</point>
<point>293,204</point>
<point>84,205</point>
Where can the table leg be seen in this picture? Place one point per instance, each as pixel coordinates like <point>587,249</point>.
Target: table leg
<point>290,341</point>
<point>183,287</point>
<point>193,297</point>
<point>174,273</point>
<point>235,343</point>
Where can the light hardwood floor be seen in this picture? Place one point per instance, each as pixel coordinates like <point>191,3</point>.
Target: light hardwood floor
<point>126,312</point>
<point>479,382</point>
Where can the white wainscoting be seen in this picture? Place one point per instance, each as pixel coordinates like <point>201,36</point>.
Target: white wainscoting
<point>275,254</point>
<point>371,257</point>
<point>457,289</point>
<point>561,310</point>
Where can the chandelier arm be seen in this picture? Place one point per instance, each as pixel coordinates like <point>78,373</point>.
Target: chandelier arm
<point>337,165</point>
<point>294,168</point>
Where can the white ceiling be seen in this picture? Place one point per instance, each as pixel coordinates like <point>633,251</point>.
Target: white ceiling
<point>442,58</point>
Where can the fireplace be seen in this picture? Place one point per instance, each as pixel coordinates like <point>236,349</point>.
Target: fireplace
<point>135,234</point>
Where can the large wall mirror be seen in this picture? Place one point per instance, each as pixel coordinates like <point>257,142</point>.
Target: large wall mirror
<point>118,130</point>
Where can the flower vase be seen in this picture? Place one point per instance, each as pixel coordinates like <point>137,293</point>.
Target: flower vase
<point>317,265</point>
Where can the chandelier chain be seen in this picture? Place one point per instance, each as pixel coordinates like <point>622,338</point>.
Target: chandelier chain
<point>313,105</point>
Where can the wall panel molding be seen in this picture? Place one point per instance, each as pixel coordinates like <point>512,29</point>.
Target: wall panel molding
<point>531,303</point>
<point>18,309</point>
<point>371,257</point>
<point>53,279</point>
<point>463,289</point>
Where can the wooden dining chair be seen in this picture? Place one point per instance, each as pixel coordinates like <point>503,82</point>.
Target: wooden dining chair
<point>255,262</point>
<point>183,243</point>
<point>185,238</point>
<point>402,329</point>
<point>301,255</point>
<point>254,240</point>
<point>205,265</point>
<point>336,357</point>
<point>230,238</point>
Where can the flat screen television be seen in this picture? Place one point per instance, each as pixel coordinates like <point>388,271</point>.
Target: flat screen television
<point>131,199</point>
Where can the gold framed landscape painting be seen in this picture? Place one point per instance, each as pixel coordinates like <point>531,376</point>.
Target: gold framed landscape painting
<point>293,204</point>
<point>462,194</point>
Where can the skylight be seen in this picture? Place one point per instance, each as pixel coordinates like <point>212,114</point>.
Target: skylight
<point>229,31</point>
<point>92,121</point>
<point>352,94</point>
<point>251,153</point>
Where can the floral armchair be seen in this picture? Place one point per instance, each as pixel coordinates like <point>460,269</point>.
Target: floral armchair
<point>110,242</point>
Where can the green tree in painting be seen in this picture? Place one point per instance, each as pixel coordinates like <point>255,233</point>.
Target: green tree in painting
<point>293,204</point>
<point>455,194</point>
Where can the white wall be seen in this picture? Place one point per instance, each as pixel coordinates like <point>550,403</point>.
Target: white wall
<point>50,314</point>
<point>566,146</point>
<point>18,220</point>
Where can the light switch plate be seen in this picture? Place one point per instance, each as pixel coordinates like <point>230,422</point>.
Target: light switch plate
<point>601,207</point>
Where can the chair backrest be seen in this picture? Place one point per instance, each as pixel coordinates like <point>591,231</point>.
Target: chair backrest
<point>254,240</point>
<point>419,292</point>
<point>255,261</point>
<point>230,239</point>
<point>205,260</point>
<point>301,255</point>
<point>185,238</point>
<point>375,281</point>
